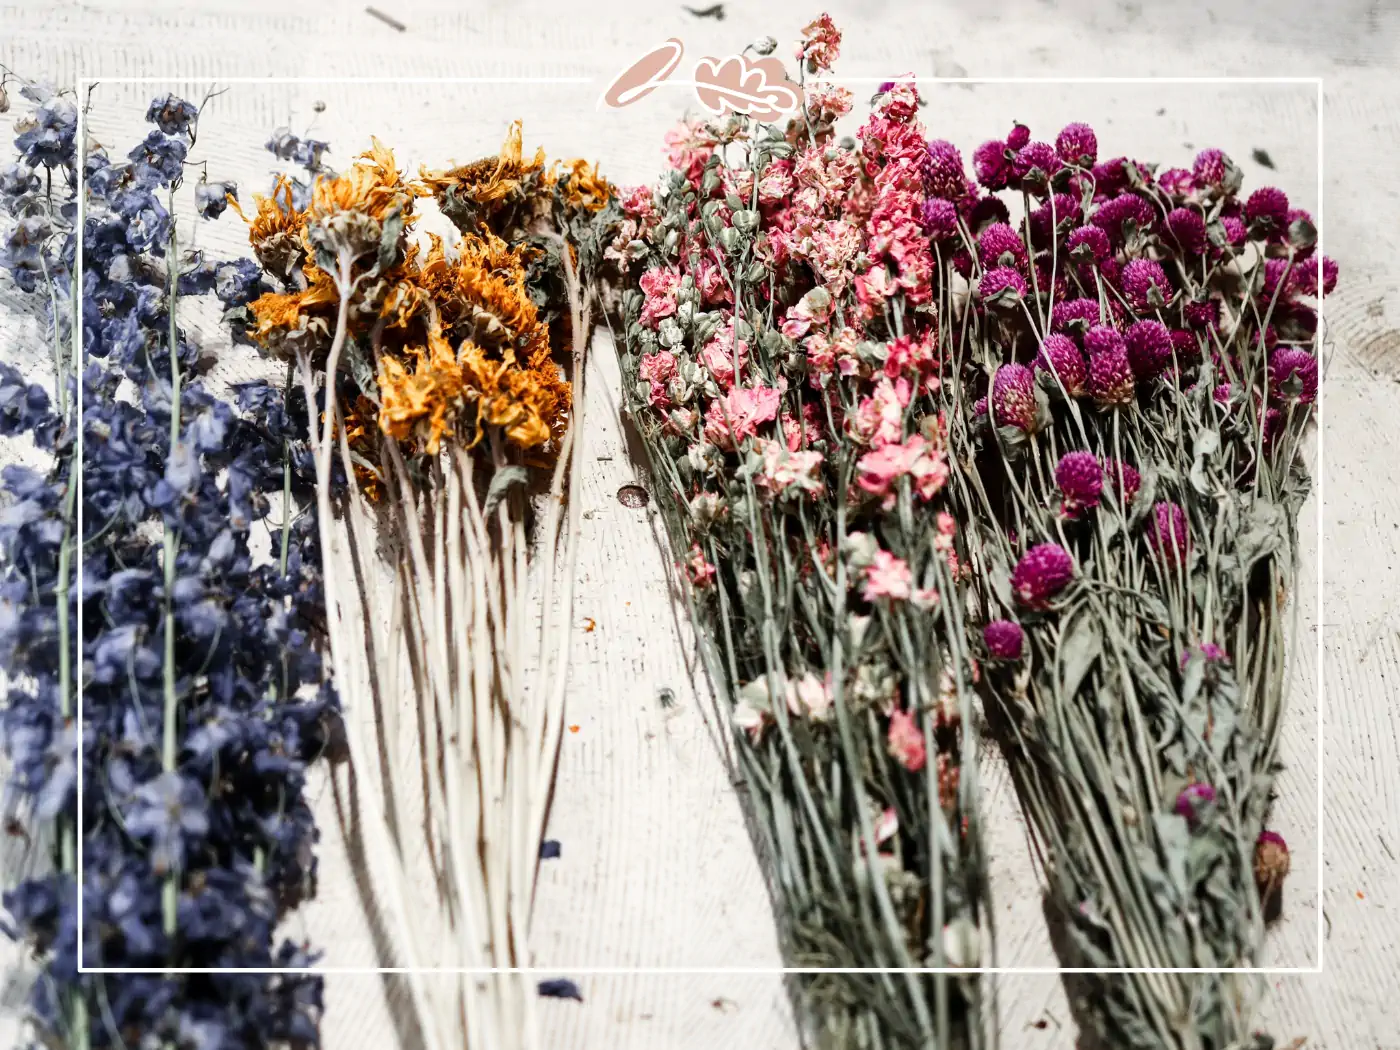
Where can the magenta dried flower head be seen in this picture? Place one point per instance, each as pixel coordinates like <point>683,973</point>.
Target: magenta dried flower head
<point>1111,176</point>
<point>1043,572</point>
<point>1074,315</point>
<point>1102,339</point>
<point>1060,355</point>
<point>1004,639</point>
<point>979,407</point>
<point>1080,477</point>
<point>1188,229</point>
<point>1213,168</point>
<point>1267,210</point>
<point>1279,279</point>
<point>1059,212</point>
<point>1306,279</point>
<point>1149,348</point>
<point>940,218</point>
<point>1018,139</point>
<point>1235,232</point>
<point>986,210</point>
<point>1145,285</point>
<point>1037,163</point>
<point>1184,345</point>
<point>1167,533</point>
<point>1111,381</point>
<point>1208,651</point>
<point>1002,286</point>
<point>1013,397</point>
<point>1202,314</point>
<point>1114,215</point>
<point>1088,244</point>
<point>1176,183</point>
<point>990,166</point>
<point>1078,145</point>
<point>1293,375</point>
<point>1222,394</point>
<point>1193,801</point>
<point>944,173</point>
<point>1124,478</point>
<point>962,263</point>
<point>1000,245</point>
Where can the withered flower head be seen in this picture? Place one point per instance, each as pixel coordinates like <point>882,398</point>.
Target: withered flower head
<point>348,213</point>
<point>490,192</point>
<point>276,230</point>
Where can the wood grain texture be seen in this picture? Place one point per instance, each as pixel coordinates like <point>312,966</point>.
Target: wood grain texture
<point>657,868</point>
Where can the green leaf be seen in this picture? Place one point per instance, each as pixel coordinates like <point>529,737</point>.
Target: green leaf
<point>1080,646</point>
<point>389,241</point>
<point>1265,533</point>
<point>501,483</point>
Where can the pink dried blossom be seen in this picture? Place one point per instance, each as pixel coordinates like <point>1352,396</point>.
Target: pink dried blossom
<point>906,741</point>
<point>1013,397</point>
<point>924,464</point>
<point>1043,572</point>
<point>737,415</point>
<point>659,285</point>
<point>656,370</point>
<point>700,572</point>
<point>1306,278</point>
<point>688,147</point>
<point>828,102</point>
<point>1078,145</point>
<point>1210,168</point>
<point>1235,232</point>
<point>718,355</point>
<point>1145,285</point>
<point>887,577</point>
<point>940,219</point>
<point>1080,477</point>
<point>879,417</point>
<point>1004,639</point>
<point>785,471</point>
<point>821,44</point>
<point>1059,355</point>
<point>1177,183</point>
<point>990,165</point>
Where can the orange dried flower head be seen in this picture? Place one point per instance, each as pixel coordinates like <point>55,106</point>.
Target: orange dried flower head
<point>276,230</point>
<point>489,192</point>
<point>580,186</point>
<point>347,213</point>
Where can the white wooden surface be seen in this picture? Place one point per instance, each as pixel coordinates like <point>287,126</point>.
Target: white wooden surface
<point>657,869</point>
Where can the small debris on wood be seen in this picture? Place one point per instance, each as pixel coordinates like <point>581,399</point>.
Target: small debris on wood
<point>589,625</point>
<point>549,849</point>
<point>318,106</point>
<point>1262,157</point>
<point>560,988</point>
<point>724,1005</point>
<point>667,698</point>
<point>392,23</point>
<point>715,11</point>
<point>633,496</point>
<point>573,729</point>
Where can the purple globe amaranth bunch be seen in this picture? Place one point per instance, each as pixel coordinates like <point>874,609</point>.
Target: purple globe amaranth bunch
<point>1089,244</point>
<point>1080,478</point>
<point>1193,801</point>
<point>1145,285</point>
<point>1043,572</point>
<point>1013,397</point>
<point>1004,639</point>
<point>1293,375</point>
<point>1061,356</point>
<point>1078,145</point>
<point>1266,211</point>
<point>1167,533</point>
<point>194,852</point>
<point>1149,346</point>
<point>1035,165</point>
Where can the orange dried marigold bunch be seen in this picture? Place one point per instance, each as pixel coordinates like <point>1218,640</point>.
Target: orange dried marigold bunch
<point>453,337</point>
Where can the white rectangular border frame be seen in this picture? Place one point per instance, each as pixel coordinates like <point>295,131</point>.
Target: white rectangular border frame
<point>84,82</point>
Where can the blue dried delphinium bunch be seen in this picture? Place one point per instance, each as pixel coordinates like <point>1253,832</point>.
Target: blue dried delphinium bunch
<point>202,694</point>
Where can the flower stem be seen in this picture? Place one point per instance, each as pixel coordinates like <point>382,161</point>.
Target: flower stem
<point>169,743</point>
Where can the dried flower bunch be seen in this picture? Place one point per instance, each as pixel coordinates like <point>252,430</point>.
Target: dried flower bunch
<point>202,693</point>
<point>447,379</point>
<point>782,361</point>
<point>1134,365</point>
